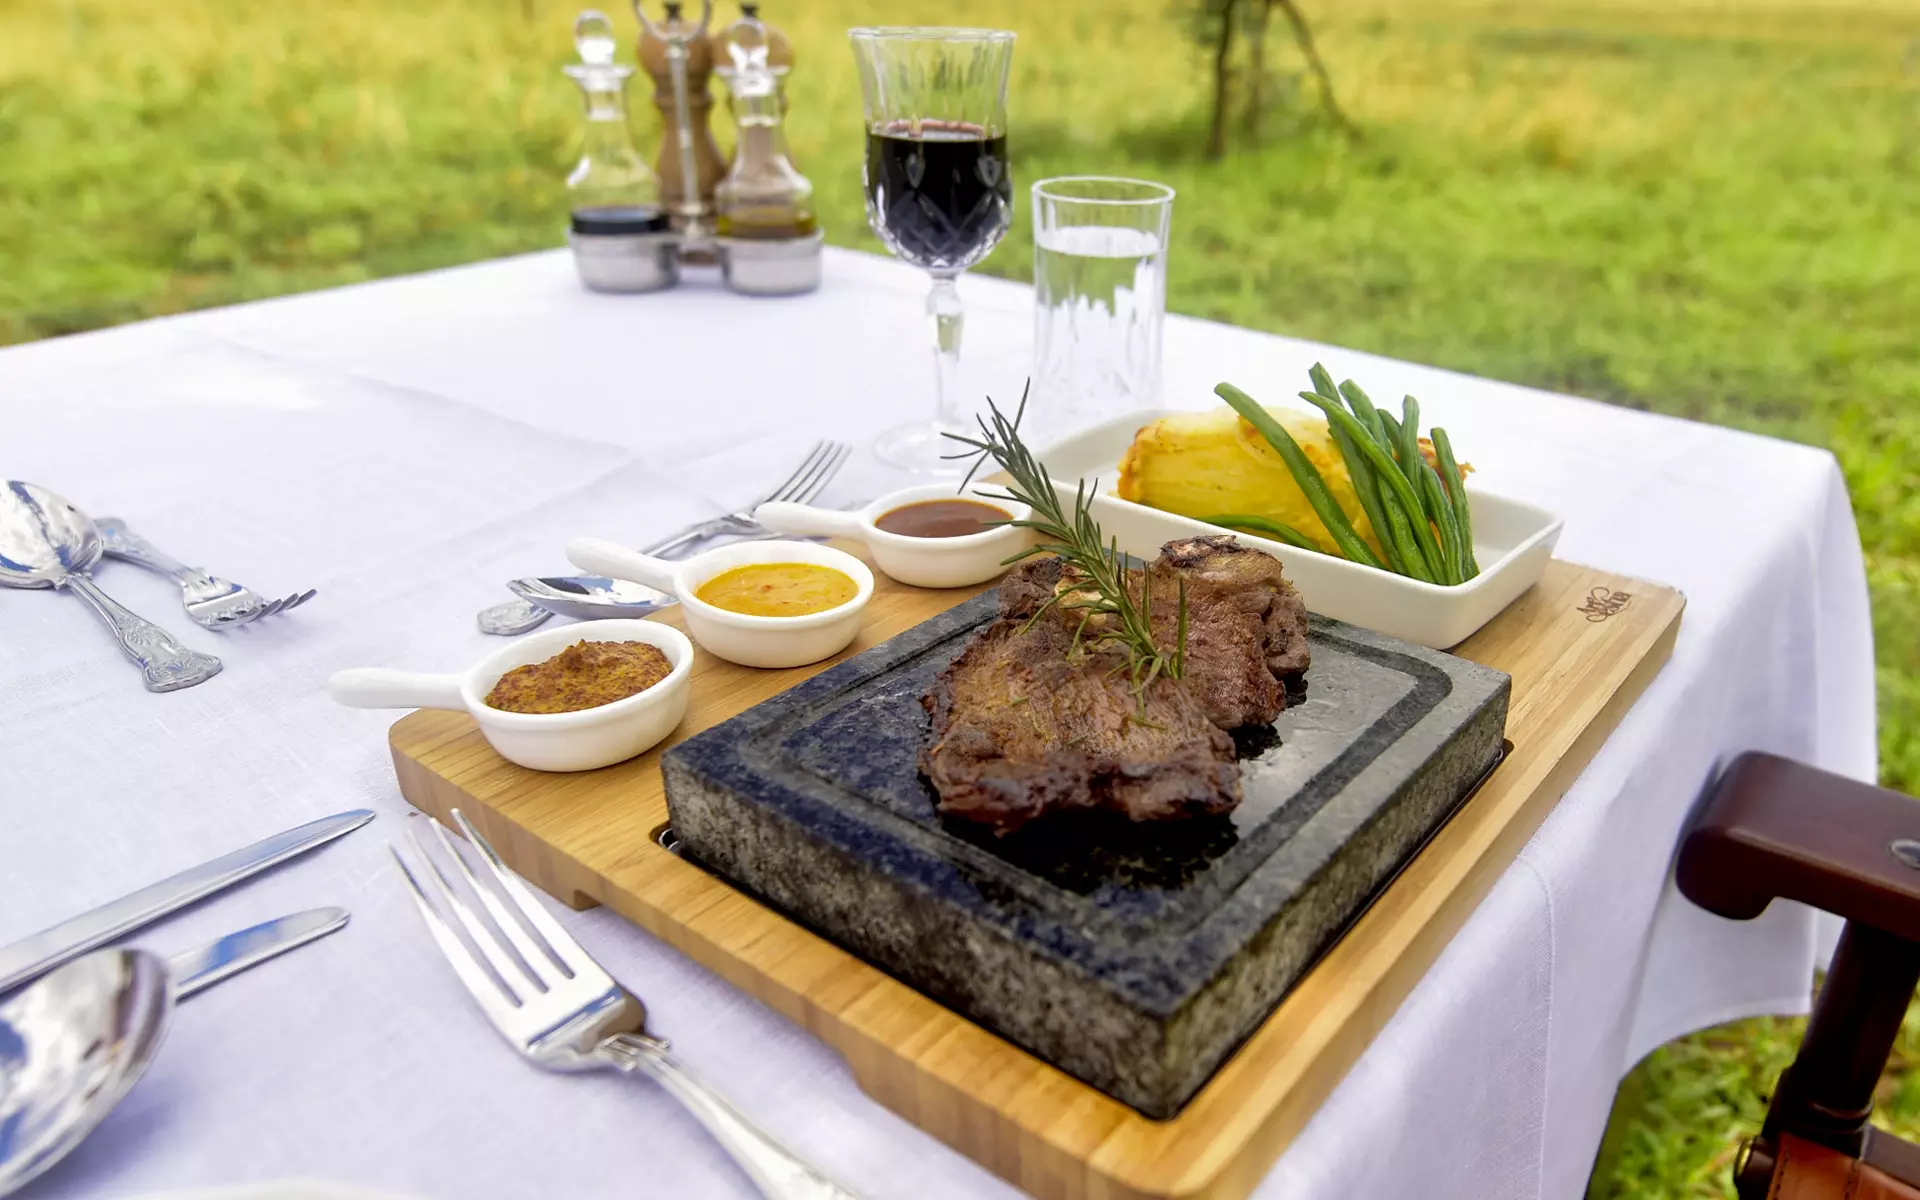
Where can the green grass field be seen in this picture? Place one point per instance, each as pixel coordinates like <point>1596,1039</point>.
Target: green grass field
<point>1692,207</point>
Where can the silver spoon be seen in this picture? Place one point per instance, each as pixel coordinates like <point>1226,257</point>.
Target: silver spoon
<point>588,597</point>
<point>74,1042</point>
<point>45,542</point>
<point>591,597</point>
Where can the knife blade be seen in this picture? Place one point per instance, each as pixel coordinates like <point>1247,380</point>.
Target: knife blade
<point>234,953</point>
<point>49,948</point>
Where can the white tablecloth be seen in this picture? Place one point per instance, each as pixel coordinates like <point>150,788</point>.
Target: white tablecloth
<point>405,446</point>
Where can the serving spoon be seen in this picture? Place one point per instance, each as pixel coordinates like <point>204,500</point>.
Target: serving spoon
<point>75,1041</point>
<point>45,542</point>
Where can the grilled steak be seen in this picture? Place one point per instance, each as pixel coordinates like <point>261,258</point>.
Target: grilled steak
<point>1246,626</point>
<point>1020,728</point>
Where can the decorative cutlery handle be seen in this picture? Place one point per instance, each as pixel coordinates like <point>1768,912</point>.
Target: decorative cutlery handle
<point>120,542</point>
<point>778,1172</point>
<point>167,665</point>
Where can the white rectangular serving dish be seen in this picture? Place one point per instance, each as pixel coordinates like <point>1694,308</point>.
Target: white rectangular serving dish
<point>1512,541</point>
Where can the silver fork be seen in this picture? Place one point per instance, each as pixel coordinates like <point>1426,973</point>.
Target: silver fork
<point>808,480</point>
<point>512,617</point>
<point>212,602</point>
<point>562,1012</point>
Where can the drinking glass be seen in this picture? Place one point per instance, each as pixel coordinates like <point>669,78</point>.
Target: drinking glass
<point>1100,297</point>
<point>939,191</point>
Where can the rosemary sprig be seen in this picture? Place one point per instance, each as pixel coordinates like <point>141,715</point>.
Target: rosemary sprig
<point>1102,589</point>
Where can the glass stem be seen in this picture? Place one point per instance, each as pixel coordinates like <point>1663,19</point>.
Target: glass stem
<point>943,305</point>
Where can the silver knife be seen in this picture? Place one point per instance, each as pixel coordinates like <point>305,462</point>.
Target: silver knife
<point>234,953</point>
<point>48,949</point>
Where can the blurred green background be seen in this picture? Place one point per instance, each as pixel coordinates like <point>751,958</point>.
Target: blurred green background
<point>1700,208</point>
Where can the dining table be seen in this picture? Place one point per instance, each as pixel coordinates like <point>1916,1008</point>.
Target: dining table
<point>408,445</point>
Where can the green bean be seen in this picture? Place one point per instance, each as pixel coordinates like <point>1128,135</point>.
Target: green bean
<point>1383,521</point>
<point>1402,527</point>
<point>1443,520</point>
<point>1397,531</point>
<point>1322,382</point>
<point>1389,442</point>
<point>1409,437</point>
<point>1408,450</point>
<point>1363,408</point>
<point>1412,464</point>
<point>1390,432</point>
<point>1384,466</point>
<point>1457,493</point>
<point>1304,474</point>
<point>1368,490</point>
<point>1277,530</point>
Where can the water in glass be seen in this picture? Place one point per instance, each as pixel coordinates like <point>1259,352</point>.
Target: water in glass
<point>1099,273</point>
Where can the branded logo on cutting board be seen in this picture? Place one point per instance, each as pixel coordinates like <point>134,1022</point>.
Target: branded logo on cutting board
<point>1603,603</point>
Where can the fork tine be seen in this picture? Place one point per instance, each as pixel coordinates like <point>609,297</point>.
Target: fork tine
<point>517,980</point>
<point>532,956</point>
<point>822,451</point>
<point>836,459</point>
<point>779,491</point>
<point>832,467</point>
<point>485,989</point>
<point>565,949</point>
<point>299,598</point>
<point>822,469</point>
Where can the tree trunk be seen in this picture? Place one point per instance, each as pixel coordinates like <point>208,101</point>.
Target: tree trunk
<point>1222,52</point>
<point>1256,107</point>
<point>1303,35</point>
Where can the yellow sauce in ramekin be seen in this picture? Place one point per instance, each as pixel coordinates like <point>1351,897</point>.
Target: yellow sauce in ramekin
<point>778,589</point>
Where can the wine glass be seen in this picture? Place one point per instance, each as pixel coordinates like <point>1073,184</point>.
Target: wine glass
<point>939,190</point>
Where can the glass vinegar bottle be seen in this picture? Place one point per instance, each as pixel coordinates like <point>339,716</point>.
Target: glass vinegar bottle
<point>621,237</point>
<point>611,182</point>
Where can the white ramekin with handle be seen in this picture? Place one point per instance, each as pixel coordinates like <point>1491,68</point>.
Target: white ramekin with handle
<point>750,641</point>
<point>926,562</point>
<point>573,741</point>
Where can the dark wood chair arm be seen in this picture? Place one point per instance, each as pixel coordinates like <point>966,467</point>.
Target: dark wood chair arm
<point>1772,827</point>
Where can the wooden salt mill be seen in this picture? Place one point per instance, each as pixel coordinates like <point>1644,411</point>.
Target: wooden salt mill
<point>679,57</point>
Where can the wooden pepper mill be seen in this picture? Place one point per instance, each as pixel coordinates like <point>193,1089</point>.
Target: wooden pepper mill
<point>679,56</point>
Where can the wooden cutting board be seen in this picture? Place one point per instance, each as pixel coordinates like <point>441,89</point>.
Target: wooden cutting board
<point>1580,646</point>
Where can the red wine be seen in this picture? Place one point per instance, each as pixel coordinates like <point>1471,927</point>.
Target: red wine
<point>941,198</point>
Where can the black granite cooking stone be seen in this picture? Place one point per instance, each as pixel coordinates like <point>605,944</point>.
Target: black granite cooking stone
<point>1133,957</point>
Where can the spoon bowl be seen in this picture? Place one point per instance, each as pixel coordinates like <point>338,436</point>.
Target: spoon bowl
<point>43,537</point>
<point>591,597</point>
<point>72,1044</point>
<point>45,542</point>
